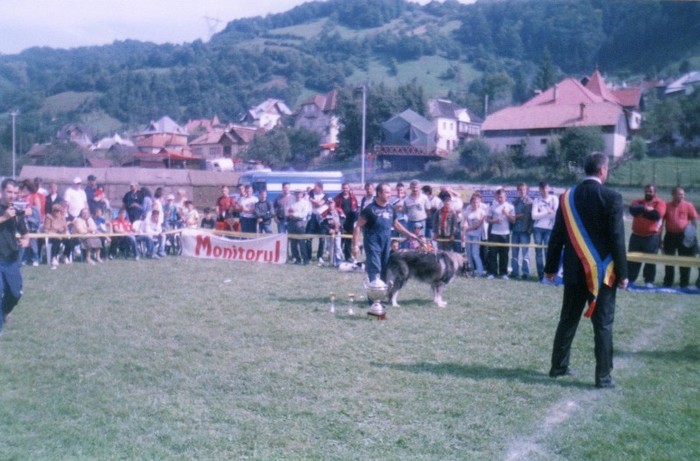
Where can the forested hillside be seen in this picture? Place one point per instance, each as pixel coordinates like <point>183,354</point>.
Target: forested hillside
<point>503,49</point>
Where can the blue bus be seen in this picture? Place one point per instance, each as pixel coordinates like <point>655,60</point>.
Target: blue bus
<point>272,181</point>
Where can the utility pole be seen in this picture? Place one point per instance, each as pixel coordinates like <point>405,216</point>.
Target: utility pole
<point>14,114</point>
<point>364,131</point>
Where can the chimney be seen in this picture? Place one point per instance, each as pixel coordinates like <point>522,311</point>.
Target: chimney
<point>583,111</point>
<point>556,90</point>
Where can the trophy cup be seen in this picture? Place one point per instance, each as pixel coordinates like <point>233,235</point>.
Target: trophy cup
<point>376,292</point>
<point>332,302</point>
<point>351,298</point>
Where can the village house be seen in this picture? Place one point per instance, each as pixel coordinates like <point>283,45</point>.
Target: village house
<point>163,143</point>
<point>224,142</point>
<point>453,124</point>
<point>565,105</point>
<point>409,140</point>
<point>318,114</point>
<point>267,115</point>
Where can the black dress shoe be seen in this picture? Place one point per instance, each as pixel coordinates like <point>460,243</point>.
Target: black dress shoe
<point>605,384</point>
<point>558,373</point>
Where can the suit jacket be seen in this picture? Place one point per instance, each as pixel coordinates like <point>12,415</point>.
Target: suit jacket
<point>600,209</point>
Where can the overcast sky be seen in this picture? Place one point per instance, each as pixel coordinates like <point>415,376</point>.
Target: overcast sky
<point>73,23</point>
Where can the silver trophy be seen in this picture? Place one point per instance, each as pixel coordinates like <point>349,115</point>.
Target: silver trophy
<point>376,292</point>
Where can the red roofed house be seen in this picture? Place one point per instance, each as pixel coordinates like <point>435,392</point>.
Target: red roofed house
<point>161,134</point>
<point>567,104</point>
<point>318,114</point>
<point>629,98</point>
<point>226,143</point>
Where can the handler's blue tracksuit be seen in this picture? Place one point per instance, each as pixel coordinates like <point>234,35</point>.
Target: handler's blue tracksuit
<point>377,238</point>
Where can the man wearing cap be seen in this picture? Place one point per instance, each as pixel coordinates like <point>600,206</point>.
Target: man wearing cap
<point>75,199</point>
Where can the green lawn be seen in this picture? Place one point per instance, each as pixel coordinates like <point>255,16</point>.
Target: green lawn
<point>664,172</point>
<point>197,359</point>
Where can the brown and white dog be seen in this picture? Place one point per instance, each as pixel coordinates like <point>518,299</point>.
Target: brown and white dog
<point>438,269</point>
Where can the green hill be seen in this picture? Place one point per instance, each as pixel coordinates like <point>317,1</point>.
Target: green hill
<point>449,49</point>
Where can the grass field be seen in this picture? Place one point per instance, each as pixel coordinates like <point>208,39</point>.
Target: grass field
<point>197,359</point>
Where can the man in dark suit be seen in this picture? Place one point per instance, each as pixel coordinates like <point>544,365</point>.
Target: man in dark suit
<point>589,227</point>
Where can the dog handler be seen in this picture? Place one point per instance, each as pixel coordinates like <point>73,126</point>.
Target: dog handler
<point>10,226</point>
<point>377,219</point>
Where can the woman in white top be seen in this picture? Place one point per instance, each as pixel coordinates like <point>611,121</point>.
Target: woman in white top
<point>472,231</point>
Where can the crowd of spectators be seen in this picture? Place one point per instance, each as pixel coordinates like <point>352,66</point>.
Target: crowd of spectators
<point>137,229</point>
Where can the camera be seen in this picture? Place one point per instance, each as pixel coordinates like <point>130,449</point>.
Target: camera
<point>20,206</point>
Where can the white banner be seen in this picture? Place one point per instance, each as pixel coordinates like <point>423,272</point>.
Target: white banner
<point>270,249</point>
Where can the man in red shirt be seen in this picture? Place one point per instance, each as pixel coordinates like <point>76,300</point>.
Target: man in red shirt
<point>647,219</point>
<point>679,214</point>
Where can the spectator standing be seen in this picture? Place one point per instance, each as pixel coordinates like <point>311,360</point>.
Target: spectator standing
<point>473,231</point>
<point>297,215</point>
<point>445,223</point>
<point>520,233</point>
<point>33,221</point>
<point>247,203</point>
<point>544,210</point>
<point>281,205</point>
<point>679,215</point>
<point>346,202</point>
<point>264,211</point>
<point>368,198</point>
<point>500,215</point>
<point>647,219</point>
<point>417,207</point>
<point>10,227</point>
<point>332,223</point>
<point>399,204</point>
<point>224,205</point>
<point>90,190</point>
<point>52,197</point>
<point>133,202</point>
<point>435,205</point>
<point>589,228</point>
<point>75,199</point>
<point>209,219</point>
<point>146,203</point>
<point>319,205</point>
<point>190,215</point>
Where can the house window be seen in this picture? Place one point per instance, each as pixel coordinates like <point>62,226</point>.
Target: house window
<point>543,141</point>
<point>515,148</point>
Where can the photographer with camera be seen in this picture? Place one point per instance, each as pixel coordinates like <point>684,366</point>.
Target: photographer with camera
<point>11,224</point>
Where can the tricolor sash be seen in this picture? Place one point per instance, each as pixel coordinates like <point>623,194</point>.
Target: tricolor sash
<point>598,271</point>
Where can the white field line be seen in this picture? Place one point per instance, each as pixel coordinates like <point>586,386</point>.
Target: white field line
<point>532,447</point>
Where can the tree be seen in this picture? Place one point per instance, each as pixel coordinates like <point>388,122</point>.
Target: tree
<point>272,149</point>
<point>546,74</point>
<point>63,154</point>
<point>303,144</point>
<point>578,142</point>
<point>637,148</point>
<point>475,155</point>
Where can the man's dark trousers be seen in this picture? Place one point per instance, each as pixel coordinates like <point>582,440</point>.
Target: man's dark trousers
<point>575,300</point>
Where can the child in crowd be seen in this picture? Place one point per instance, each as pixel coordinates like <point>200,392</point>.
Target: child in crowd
<point>209,220</point>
